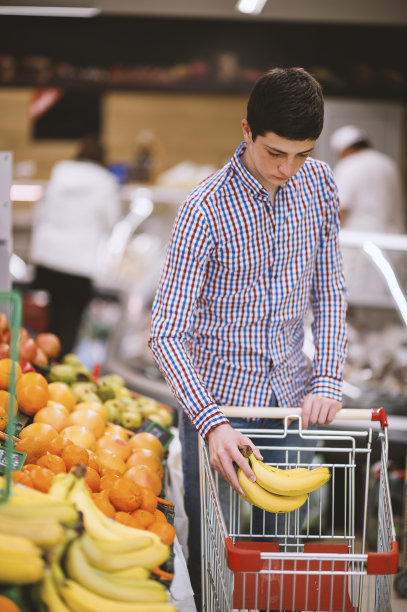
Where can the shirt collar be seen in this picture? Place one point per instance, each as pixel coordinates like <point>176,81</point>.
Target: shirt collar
<point>244,175</point>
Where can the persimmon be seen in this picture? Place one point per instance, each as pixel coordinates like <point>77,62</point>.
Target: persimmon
<point>144,518</point>
<point>88,418</point>
<point>79,435</point>
<point>92,479</point>
<point>144,476</point>
<point>59,391</point>
<point>145,439</point>
<point>53,462</point>
<point>5,400</point>
<point>35,440</point>
<point>146,457</point>
<point>42,478</point>
<point>73,454</point>
<point>102,501</point>
<point>125,495</point>
<point>110,461</point>
<point>116,444</point>
<point>54,414</point>
<point>32,392</point>
<point>164,530</point>
<point>148,499</point>
<point>108,479</point>
<point>125,518</point>
<point>5,371</point>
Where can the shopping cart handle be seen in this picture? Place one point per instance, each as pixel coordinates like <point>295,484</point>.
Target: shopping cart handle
<point>345,414</point>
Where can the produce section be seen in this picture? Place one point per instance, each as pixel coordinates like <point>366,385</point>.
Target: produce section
<point>84,523</point>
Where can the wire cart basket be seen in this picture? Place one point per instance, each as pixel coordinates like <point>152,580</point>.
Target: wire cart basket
<point>314,558</point>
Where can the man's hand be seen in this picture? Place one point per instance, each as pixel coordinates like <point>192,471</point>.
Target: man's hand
<point>318,409</point>
<point>224,442</point>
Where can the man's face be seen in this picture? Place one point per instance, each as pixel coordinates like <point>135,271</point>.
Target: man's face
<point>273,159</point>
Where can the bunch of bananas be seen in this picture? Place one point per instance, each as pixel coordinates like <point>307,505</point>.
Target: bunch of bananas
<point>107,567</point>
<point>277,490</point>
<point>38,525</point>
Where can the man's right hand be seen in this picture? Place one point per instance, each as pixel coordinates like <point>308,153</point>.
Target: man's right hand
<point>224,443</point>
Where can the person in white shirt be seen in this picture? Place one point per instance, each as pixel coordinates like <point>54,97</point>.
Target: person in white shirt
<point>369,183</point>
<point>371,200</point>
<point>79,209</point>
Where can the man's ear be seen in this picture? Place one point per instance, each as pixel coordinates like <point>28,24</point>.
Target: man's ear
<point>247,133</point>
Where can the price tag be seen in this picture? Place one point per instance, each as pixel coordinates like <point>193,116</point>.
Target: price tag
<point>17,460</point>
<point>159,431</point>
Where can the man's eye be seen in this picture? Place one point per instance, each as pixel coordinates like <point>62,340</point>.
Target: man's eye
<point>274,154</point>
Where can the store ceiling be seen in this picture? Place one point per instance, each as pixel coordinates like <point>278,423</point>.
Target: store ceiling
<point>378,12</point>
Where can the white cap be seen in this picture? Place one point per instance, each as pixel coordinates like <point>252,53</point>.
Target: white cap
<point>345,137</point>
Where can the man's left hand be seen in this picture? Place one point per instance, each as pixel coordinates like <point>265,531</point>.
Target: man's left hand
<point>318,409</point>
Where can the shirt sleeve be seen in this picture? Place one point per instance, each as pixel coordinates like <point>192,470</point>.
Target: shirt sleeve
<point>180,286</point>
<point>329,303</point>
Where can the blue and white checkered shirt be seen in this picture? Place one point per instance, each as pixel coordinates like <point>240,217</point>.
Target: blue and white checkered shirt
<point>239,276</point>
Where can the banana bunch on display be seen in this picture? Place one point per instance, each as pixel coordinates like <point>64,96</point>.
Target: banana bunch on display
<point>30,514</point>
<point>108,566</point>
<point>21,560</point>
<point>277,490</point>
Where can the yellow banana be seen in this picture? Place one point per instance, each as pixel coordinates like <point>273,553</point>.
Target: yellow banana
<point>147,557</point>
<point>17,544</point>
<point>133,573</point>
<point>80,599</point>
<point>107,585</point>
<point>265,500</point>
<point>61,485</point>
<point>45,532</point>
<point>64,512</point>
<point>19,569</point>
<point>48,594</point>
<point>288,482</point>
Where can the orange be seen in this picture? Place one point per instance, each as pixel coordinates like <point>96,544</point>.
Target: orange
<point>42,478</point>
<point>22,478</point>
<point>125,495</point>
<point>148,499</point>
<point>94,461</point>
<point>144,518</point>
<point>92,479</point>
<point>7,605</point>
<point>125,518</point>
<point>146,457</point>
<point>144,439</point>
<point>116,430</point>
<point>164,530</point>
<point>73,454</point>
<point>101,500</point>
<point>111,461</point>
<point>95,406</point>
<point>35,440</point>
<point>144,477</point>
<point>89,419</point>
<point>3,418</point>
<point>53,462</point>
<point>32,392</point>
<point>54,414</point>
<point>79,435</point>
<point>159,516</point>
<point>57,445</point>
<point>60,392</point>
<point>116,444</point>
<point>108,480</point>
<point>5,370</point>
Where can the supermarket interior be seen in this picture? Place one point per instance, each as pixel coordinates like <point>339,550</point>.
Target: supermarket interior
<point>147,303</point>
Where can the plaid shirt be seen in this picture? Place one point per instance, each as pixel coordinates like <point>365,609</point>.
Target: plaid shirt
<point>239,276</point>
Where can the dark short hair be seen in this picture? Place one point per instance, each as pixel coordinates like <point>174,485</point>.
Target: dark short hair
<point>91,149</point>
<point>360,145</point>
<point>288,102</point>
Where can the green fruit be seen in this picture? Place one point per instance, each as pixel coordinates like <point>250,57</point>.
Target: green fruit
<point>131,420</point>
<point>114,379</point>
<point>120,391</point>
<point>113,412</point>
<point>147,405</point>
<point>82,373</point>
<point>62,373</point>
<point>165,416</point>
<point>71,359</point>
<point>105,390</point>
<point>81,390</point>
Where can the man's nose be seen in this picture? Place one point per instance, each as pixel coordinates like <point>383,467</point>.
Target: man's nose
<point>286,167</point>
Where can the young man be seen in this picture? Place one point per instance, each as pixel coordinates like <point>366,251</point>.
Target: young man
<point>253,245</point>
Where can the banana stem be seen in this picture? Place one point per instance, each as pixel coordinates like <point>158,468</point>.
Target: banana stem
<point>246,450</point>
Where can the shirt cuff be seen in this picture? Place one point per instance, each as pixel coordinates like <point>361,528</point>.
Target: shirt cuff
<point>327,386</point>
<point>208,418</point>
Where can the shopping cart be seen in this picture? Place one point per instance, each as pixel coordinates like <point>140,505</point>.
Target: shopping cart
<point>319,561</point>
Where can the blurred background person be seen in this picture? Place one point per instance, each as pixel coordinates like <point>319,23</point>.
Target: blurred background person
<point>79,209</point>
<point>369,183</point>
